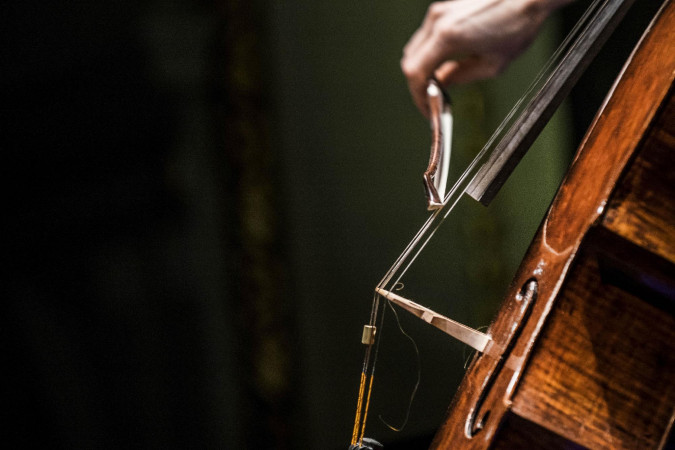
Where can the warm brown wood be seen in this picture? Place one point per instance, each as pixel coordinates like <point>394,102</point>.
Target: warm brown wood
<point>642,210</point>
<point>603,371</point>
<point>567,368</point>
<point>518,433</point>
<point>634,269</point>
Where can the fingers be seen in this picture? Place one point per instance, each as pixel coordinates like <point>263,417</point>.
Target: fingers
<point>434,12</point>
<point>417,38</point>
<point>425,51</point>
<point>418,68</point>
<point>466,40</point>
<point>473,68</point>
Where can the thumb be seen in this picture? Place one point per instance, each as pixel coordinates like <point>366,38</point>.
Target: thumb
<point>472,68</point>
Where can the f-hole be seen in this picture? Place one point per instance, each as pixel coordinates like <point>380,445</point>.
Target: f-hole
<point>526,296</point>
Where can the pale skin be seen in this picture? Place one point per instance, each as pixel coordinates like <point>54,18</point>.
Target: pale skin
<point>461,41</point>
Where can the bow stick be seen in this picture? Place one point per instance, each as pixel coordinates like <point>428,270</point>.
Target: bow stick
<point>484,176</point>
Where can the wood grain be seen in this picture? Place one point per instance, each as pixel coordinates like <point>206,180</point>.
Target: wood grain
<point>588,385</point>
<point>518,433</point>
<point>642,209</point>
<point>603,372</point>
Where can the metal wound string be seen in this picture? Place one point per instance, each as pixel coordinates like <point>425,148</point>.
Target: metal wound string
<point>460,186</point>
<point>429,228</point>
<point>465,178</point>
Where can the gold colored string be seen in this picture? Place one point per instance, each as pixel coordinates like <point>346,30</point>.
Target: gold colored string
<point>365,414</point>
<point>359,404</point>
<point>434,221</point>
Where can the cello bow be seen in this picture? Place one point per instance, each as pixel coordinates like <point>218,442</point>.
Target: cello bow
<point>591,362</point>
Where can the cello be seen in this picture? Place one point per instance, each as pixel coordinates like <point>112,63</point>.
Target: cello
<point>582,351</point>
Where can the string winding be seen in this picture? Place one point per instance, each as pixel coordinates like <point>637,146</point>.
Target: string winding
<point>392,278</point>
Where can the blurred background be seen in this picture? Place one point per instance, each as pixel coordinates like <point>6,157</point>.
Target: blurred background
<point>201,196</point>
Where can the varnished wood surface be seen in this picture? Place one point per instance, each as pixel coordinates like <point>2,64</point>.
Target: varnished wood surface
<point>603,372</point>
<point>518,433</point>
<point>491,388</point>
<point>643,207</point>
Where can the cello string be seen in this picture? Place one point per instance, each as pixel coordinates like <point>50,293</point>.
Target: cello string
<point>434,221</point>
<point>463,181</point>
<point>371,369</point>
<point>424,235</point>
<point>359,406</point>
<point>563,47</point>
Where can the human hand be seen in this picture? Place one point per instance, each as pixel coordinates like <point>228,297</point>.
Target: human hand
<point>466,40</point>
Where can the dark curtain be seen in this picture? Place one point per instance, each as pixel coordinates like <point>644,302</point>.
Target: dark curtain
<point>124,312</point>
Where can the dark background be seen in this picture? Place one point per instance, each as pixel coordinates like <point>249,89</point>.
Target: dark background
<point>200,198</point>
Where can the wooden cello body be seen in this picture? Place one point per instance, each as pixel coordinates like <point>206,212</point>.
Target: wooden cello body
<point>587,328</point>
